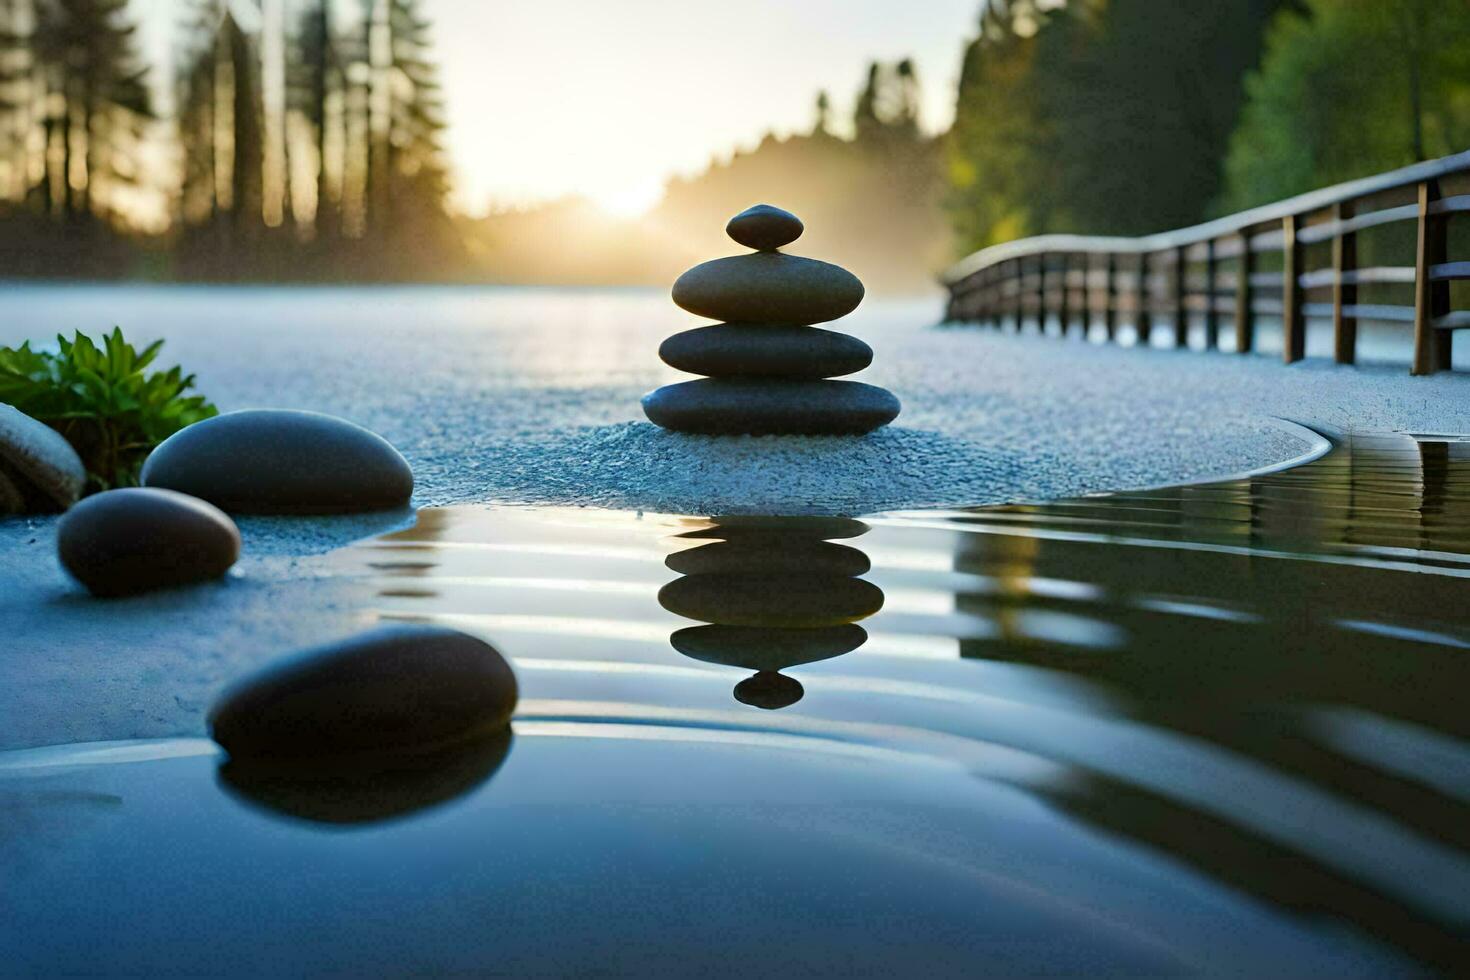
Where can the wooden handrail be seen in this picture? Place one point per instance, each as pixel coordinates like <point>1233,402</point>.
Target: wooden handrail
<point>1151,274</point>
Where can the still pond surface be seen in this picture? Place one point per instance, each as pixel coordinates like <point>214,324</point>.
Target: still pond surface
<point>1216,729</point>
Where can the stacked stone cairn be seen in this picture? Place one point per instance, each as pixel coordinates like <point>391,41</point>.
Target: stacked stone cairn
<point>767,369</point>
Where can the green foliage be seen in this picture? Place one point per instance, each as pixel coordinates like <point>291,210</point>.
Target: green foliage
<point>1144,100</point>
<point>1000,147</point>
<point>1349,88</point>
<point>103,400</point>
<point>1100,116</point>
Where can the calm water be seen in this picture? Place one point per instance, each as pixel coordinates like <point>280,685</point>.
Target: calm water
<point>1217,729</point>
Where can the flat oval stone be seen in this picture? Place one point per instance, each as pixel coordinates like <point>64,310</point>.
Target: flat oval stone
<point>785,601</point>
<point>42,471</point>
<point>745,350</point>
<point>768,287</point>
<point>126,542</point>
<point>12,499</point>
<point>735,406</point>
<point>765,227</point>
<point>271,461</point>
<point>395,689</point>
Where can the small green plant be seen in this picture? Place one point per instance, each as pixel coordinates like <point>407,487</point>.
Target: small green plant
<point>102,400</point>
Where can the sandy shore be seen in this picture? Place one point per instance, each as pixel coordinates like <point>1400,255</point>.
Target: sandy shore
<point>527,396</point>
<point>523,395</point>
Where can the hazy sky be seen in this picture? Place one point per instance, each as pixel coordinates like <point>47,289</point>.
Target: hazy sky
<point>608,97</point>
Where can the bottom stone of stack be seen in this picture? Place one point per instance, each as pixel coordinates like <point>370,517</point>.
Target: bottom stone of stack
<point>750,406</point>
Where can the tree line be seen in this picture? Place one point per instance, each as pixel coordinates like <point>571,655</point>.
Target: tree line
<point>301,141</point>
<point>1127,117</point>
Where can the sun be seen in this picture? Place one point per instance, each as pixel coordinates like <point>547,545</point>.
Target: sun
<point>631,200</point>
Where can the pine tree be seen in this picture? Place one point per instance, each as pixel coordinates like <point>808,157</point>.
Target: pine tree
<point>99,101</point>
<point>16,98</point>
<point>416,141</point>
<point>314,83</point>
<point>247,148</point>
<point>822,126</point>
<point>196,94</point>
<point>220,121</point>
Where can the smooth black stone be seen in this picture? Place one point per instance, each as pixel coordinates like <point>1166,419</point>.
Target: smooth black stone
<point>40,471</point>
<point>768,287</point>
<point>746,350</point>
<point>395,689</point>
<point>381,788</point>
<point>765,227</point>
<point>770,691</point>
<point>783,601</point>
<point>13,498</point>
<point>271,461</point>
<point>766,648</point>
<point>755,557</point>
<point>126,542</point>
<point>738,406</point>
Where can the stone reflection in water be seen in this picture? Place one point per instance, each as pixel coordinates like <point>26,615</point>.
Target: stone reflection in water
<point>775,593</point>
<point>412,568</point>
<point>366,791</point>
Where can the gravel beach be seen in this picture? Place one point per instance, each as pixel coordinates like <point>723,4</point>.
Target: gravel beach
<point>531,396</point>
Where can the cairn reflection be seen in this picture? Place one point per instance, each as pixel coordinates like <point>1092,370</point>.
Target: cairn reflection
<point>774,593</point>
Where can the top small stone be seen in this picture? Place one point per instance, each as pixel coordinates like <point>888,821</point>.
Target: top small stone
<point>765,227</point>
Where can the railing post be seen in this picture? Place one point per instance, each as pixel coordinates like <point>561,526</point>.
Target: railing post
<point>1041,294</point>
<point>1344,294</point>
<point>1144,318</point>
<point>1431,299</point>
<point>1245,297</point>
<point>1212,316</point>
<point>1064,307</point>
<point>1018,293</point>
<point>994,308</point>
<point>1180,289</point>
<point>1110,303</point>
<point>1293,323</point>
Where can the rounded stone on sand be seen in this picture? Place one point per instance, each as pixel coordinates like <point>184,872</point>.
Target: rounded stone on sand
<point>742,350</point>
<point>131,541</point>
<point>395,689</point>
<point>272,461</point>
<point>768,287</point>
<point>753,406</point>
<point>39,470</point>
<point>765,227</point>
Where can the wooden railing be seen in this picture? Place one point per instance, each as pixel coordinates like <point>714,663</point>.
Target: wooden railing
<point>1212,272</point>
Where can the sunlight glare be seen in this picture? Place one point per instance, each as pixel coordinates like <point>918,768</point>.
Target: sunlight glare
<point>631,201</point>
